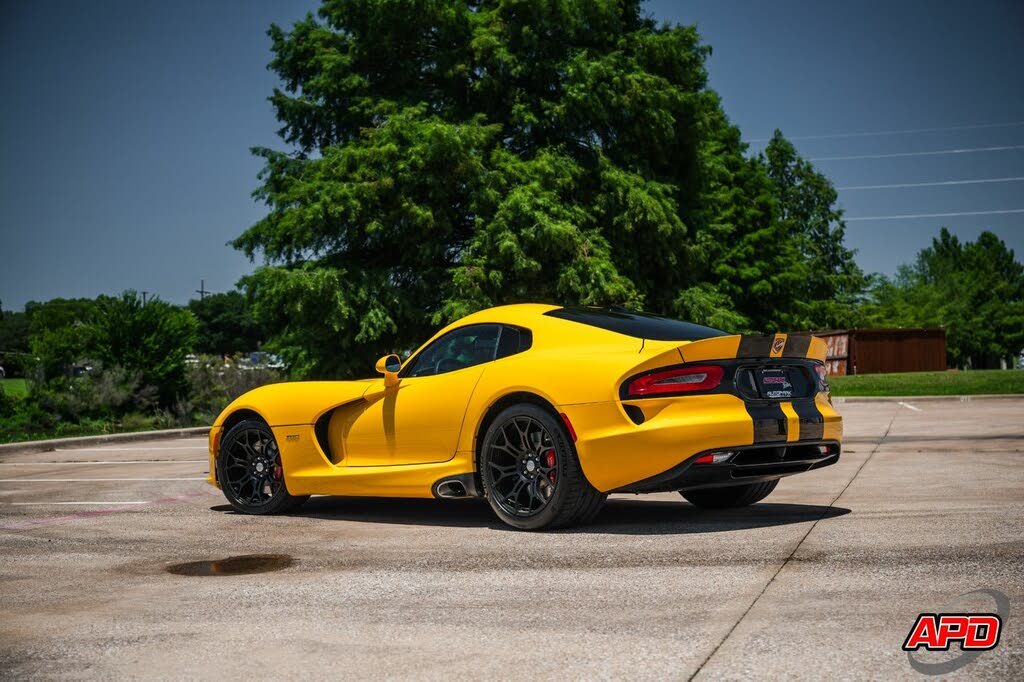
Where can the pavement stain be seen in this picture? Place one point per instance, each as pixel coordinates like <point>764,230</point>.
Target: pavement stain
<point>237,565</point>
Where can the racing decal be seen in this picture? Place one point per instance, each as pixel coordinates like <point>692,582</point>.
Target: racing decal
<point>774,383</point>
<point>770,423</point>
<point>812,422</point>
<point>971,633</point>
<point>796,346</point>
<point>936,631</point>
<point>774,346</point>
<point>755,347</point>
<point>792,422</point>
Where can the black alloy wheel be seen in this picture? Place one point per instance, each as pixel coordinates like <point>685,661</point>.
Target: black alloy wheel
<point>250,473</point>
<point>522,466</point>
<point>530,471</point>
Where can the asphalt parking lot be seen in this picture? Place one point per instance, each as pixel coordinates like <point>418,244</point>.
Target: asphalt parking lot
<point>822,580</point>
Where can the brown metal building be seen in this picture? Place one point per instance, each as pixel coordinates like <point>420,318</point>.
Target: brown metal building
<point>876,351</point>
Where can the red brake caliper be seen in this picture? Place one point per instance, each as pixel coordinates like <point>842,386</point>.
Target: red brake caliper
<point>550,458</point>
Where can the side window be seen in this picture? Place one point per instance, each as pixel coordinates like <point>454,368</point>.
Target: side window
<point>458,349</point>
<point>513,340</point>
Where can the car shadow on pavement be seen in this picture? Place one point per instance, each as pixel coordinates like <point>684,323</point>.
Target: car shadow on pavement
<point>657,517</point>
<point>624,516</point>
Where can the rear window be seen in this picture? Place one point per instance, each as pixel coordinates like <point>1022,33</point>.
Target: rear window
<point>640,325</point>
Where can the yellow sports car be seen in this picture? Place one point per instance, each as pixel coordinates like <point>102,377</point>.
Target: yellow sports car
<point>544,411</point>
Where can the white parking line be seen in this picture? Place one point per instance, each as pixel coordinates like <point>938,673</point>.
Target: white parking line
<point>141,447</point>
<point>107,502</point>
<point>910,407</point>
<point>82,480</point>
<point>87,461</point>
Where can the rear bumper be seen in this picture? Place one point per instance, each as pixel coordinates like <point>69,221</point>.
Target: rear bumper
<point>616,452</point>
<point>752,464</point>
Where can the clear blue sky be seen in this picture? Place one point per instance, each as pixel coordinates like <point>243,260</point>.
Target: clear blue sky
<point>125,126</point>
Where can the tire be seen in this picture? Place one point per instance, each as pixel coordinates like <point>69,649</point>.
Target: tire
<point>531,475</point>
<point>731,496</point>
<point>249,471</point>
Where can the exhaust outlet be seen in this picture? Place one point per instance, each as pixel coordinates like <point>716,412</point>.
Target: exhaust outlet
<point>456,487</point>
<point>450,489</point>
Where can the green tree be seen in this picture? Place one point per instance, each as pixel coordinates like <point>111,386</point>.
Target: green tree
<point>226,324</point>
<point>15,348</point>
<point>974,289</point>
<point>450,155</point>
<point>830,285</point>
<point>56,333</point>
<point>151,338</point>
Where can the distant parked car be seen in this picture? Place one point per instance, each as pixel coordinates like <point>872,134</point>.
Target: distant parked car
<point>80,370</point>
<point>3,374</point>
<point>261,360</point>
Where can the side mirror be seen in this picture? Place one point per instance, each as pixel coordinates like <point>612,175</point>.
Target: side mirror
<point>389,365</point>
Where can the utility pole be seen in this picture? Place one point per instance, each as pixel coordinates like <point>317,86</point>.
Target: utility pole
<point>202,289</point>
<point>144,297</point>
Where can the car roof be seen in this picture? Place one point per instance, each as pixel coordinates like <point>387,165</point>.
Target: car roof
<point>593,323</point>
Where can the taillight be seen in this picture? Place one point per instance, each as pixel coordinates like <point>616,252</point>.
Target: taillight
<point>677,380</point>
<point>822,381</point>
<point>714,457</point>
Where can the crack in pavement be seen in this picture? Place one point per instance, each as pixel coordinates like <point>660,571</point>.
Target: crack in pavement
<point>796,548</point>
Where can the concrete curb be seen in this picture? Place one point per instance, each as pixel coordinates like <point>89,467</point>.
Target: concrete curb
<point>924,398</point>
<point>85,441</point>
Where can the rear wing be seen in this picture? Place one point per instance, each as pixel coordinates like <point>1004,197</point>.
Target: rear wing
<point>743,346</point>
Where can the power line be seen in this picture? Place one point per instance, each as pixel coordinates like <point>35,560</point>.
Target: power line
<point>968,150</point>
<point>932,215</point>
<point>905,131</point>
<point>933,184</point>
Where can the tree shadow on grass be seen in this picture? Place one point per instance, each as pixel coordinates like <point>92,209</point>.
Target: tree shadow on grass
<point>619,516</point>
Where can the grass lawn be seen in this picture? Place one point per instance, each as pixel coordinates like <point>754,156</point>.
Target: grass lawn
<point>16,388</point>
<point>974,382</point>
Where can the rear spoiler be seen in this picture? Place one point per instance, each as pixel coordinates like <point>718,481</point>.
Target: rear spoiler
<point>743,346</point>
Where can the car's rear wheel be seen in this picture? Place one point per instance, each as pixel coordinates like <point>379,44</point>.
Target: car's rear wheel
<point>531,474</point>
<point>731,496</point>
<point>249,470</point>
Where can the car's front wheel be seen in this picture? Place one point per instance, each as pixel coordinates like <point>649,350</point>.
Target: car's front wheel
<point>531,475</point>
<point>249,471</point>
<point>731,496</point>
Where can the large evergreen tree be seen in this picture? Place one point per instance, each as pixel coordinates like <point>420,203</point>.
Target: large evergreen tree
<point>449,155</point>
<point>830,284</point>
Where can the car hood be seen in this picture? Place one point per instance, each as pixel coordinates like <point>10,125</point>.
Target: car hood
<point>297,402</point>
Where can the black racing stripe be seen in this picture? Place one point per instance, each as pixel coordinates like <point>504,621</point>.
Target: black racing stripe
<point>770,423</point>
<point>755,347</point>
<point>812,423</point>
<point>796,346</point>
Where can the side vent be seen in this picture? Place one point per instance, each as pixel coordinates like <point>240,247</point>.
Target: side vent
<point>320,429</point>
<point>635,414</point>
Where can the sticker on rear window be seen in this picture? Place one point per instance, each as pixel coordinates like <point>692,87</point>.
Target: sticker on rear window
<point>775,384</point>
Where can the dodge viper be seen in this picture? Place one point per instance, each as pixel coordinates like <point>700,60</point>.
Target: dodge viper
<point>542,410</point>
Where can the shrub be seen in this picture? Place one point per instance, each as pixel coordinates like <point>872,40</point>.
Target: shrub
<point>102,393</point>
<point>213,383</point>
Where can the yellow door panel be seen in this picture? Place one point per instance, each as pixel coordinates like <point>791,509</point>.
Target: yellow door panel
<point>416,422</point>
